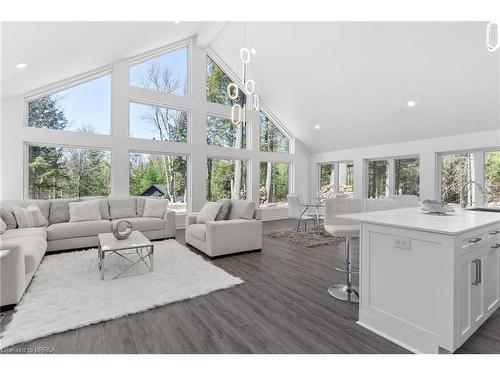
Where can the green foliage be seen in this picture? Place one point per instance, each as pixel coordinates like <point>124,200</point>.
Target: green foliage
<point>377,178</point>
<point>407,176</point>
<point>456,171</point>
<point>223,133</point>
<point>271,137</point>
<point>274,181</point>
<point>217,82</point>
<point>45,113</point>
<point>222,179</point>
<point>492,178</point>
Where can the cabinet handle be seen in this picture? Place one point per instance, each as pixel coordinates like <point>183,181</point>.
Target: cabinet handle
<point>494,232</point>
<point>474,240</point>
<point>495,246</point>
<point>478,280</point>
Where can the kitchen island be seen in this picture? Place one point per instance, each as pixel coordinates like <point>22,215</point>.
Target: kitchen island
<point>428,282</point>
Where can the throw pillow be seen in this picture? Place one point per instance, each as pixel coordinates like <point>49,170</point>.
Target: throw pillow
<point>224,210</point>
<point>8,216</point>
<point>208,212</point>
<point>29,217</point>
<point>155,208</point>
<point>59,210</point>
<point>120,208</point>
<point>241,209</point>
<point>84,211</point>
<point>3,226</point>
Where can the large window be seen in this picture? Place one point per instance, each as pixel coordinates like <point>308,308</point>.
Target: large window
<point>82,108</point>
<point>222,132</point>
<point>407,176</point>
<point>217,82</point>
<point>66,172</point>
<point>158,123</point>
<point>456,171</point>
<point>326,180</point>
<point>166,73</point>
<point>492,178</point>
<point>272,138</point>
<point>159,175</point>
<point>226,178</point>
<point>273,183</point>
<point>378,179</point>
<point>346,178</point>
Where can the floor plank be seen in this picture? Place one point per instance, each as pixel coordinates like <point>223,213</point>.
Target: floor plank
<point>283,307</point>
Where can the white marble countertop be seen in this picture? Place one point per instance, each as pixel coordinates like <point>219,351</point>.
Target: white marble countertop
<point>413,218</point>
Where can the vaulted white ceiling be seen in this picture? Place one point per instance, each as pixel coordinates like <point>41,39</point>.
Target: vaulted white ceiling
<point>352,79</point>
<point>355,79</point>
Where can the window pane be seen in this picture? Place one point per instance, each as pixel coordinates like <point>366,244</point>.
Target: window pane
<point>346,178</point>
<point>273,183</point>
<point>327,180</point>
<point>456,171</point>
<point>378,179</point>
<point>65,172</point>
<point>492,178</point>
<point>407,176</point>
<point>222,132</point>
<point>271,138</point>
<point>159,175</point>
<point>159,123</point>
<point>166,73</point>
<point>217,82</point>
<point>83,108</point>
<point>226,178</point>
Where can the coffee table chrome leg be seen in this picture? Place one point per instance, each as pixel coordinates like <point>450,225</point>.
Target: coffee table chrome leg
<point>151,256</point>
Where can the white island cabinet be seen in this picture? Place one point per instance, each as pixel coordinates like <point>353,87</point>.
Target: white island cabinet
<point>428,282</point>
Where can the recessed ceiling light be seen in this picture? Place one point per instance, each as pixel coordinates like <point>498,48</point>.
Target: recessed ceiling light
<point>317,127</point>
<point>411,103</point>
<point>21,66</point>
<point>253,50</point>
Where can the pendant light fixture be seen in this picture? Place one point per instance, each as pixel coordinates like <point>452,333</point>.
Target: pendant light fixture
<point>492,36</point>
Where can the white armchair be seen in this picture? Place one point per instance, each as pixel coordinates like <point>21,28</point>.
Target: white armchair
<point>218,238</point>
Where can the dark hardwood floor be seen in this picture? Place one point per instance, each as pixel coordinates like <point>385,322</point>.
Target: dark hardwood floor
<point>283,307</point>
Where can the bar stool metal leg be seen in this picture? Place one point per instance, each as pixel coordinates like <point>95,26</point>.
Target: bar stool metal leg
<point>346,292</point>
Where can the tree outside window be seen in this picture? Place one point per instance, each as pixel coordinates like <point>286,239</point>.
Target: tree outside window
<point>226,178</point>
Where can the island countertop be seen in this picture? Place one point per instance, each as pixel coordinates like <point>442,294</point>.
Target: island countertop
<point>459,222</point>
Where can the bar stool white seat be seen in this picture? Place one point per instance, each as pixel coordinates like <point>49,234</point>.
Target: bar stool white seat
<point>342,227</point>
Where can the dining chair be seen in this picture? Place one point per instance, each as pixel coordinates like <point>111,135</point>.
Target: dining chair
<point>296,212</point>
<point>348,229</point>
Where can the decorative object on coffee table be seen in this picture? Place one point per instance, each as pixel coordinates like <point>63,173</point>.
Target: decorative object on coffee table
<point>122,229</point>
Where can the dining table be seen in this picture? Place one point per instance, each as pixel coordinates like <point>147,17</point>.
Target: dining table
<point>316,205</point>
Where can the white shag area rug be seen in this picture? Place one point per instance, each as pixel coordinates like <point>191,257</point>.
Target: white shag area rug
<point>67,292</point>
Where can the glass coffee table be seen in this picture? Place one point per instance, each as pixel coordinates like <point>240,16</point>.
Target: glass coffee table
<point>136,250</point>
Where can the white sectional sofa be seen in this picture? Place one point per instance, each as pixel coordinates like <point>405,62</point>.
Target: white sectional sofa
<point>239,233</point>
<point>28,245</point>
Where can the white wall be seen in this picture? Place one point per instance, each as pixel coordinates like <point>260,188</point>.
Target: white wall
<point>426,149</point>
<point>14,136</point>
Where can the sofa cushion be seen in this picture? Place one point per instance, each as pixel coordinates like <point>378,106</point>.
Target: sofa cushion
<point>208,212</point>
<point>139,205</point>
<point>79,229</point>
<point>59,210</point>
<point>8,216</point>
<point>24,232</point>
<point>155,208</point>
<point>241,209</point>
<point>122,207</point>
<point>224,210</point>
<point>85,211</point>
<point>29,217</point>
<point>144,224</point>
<point>198,231</point>
<point>103,202</point>
<point>3,226</point>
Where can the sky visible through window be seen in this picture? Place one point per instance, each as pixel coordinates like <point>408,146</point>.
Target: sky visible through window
<point>87,105</point>
<point>175,62</point>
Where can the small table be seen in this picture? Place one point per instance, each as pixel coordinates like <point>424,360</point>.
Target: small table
<point>4,253</point>
<point>317,206</point>
<point>136,244</point>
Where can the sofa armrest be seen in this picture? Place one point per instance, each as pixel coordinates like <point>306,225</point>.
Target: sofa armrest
<point>12,273</point>
<point>237,235</point>
<point>191,219</point>
<point>170,226</point>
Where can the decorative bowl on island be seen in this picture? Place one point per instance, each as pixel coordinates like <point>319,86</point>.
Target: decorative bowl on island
<point>433,207</point>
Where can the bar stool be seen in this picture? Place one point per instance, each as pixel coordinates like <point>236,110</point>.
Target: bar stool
<point>348,229</point>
